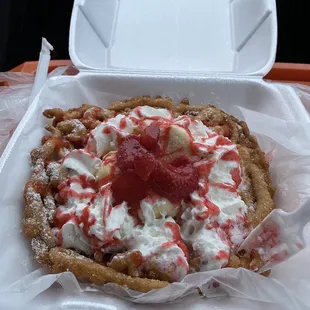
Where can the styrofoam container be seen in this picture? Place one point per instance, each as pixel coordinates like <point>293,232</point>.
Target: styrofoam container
<point>210,51</point>
<point>279,102</point>
<point>169,37</point>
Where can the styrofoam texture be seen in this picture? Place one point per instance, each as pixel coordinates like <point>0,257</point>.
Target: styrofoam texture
<point>192,37</point>
<point>275,100</point>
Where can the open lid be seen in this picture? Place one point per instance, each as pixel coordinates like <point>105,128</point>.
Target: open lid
<point>186,37</point>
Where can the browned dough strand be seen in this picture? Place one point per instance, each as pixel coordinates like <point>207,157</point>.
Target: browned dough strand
<point>88,270</point>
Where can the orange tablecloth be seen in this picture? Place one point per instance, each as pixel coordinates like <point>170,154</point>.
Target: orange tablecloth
<point>284,72</point>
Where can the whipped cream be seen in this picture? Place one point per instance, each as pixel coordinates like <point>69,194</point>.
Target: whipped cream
<point>210,222</point>
<point>73,237</point>
<point>81,163</point>
<point>156,241</point>
<point>104,138</point>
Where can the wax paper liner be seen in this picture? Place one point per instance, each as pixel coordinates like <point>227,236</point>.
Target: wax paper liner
<point>287,145</point>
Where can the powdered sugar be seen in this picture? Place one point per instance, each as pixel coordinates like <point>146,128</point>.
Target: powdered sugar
<point>53,169</point>
<point>32,195</point>
<point>39,247</point>
<point>77,126</point>
<point>49,208</point>
<point>39,173</point>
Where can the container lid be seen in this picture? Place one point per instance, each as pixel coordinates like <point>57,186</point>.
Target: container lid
<point>174,37</point>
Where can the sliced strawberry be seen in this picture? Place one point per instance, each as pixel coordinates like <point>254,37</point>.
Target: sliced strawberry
<point>180,161</point>
<point>184,160</point>
<point>149,137</point>
<point>144,165</point>
<point>174,182</point>
<point>128,150</point>
<point>129,187</point>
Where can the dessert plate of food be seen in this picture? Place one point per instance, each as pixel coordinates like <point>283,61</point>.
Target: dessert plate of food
<point>144,192</point>
<point>146,198</point>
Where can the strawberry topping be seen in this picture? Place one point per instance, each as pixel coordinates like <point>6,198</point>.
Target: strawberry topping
<point>128,186</point>
<point>175,183</point>
<point>231,156</point>
<point>184,160</point>
<point>128,150</point>
<point>142,171</point>
<point>149,137</point>
<point>132,155</point>
<point>144,165</point>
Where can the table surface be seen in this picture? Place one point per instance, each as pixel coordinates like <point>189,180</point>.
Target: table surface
<point>283,72</point>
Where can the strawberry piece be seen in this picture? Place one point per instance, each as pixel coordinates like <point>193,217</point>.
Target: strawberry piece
<point>180,161</point>
<point>184,160</point>
<point>174,183</point>
<point>129,187</point>
<point>128,150</point>
<point>149,137</point>
<point>132,155</point>
<point>144,165</point>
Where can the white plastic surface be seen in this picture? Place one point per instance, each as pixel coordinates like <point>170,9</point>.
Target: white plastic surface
<point>174,37</point>
<point>281,105</point>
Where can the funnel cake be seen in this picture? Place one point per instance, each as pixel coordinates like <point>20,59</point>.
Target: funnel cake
<point>144,192</point>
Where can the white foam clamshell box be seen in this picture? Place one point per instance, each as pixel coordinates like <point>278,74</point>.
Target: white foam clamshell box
<point>197,37</point>
<point>211,51</point>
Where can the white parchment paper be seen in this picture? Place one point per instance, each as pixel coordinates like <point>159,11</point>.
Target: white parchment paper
<point>287,145</point>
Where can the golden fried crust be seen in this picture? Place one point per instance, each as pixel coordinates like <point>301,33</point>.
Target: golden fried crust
<point>264,202</point>
<point>35,218</point>
<point>248,261</point>
<point>132,103</point>
<point>88,270</point>
<point>69,130</point>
